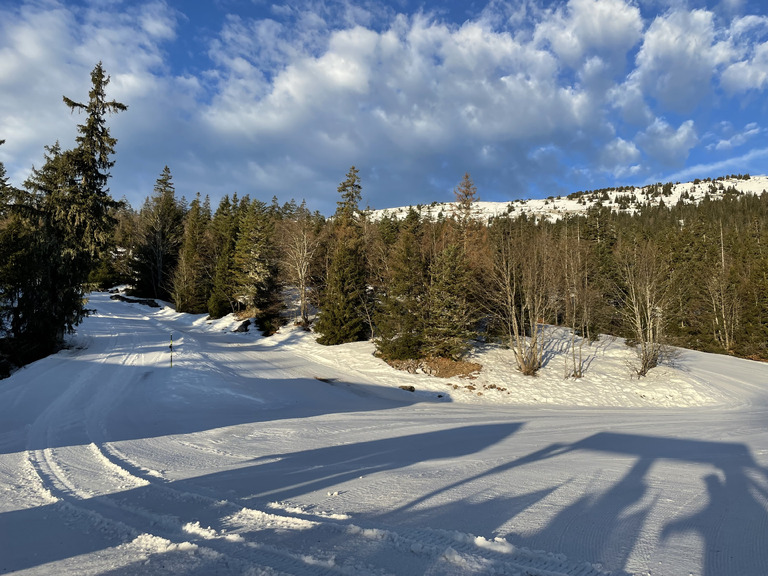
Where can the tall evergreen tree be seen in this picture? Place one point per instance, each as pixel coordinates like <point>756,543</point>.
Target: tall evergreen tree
<point>223,232</point>
<point>466,195</point>
<point>160,232</point>
<point>342,316</point>
<point>86,207</point>
<point>191,280</point>
<point>400,321</point>
<point>58,227</point>
<point>255,265</point>
<point>450,316</point>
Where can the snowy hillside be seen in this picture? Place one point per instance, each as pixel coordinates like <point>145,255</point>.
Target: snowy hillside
<point>272,456</point>
<point>625,199</point>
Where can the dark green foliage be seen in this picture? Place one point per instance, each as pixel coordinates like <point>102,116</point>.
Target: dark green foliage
<point>223,230</point>
<point>450,320</point>
<point>342,318</point>
<point>348,208</point>
<point>86,207</point>
<point>159,235</point>
<point>400,320</point>
<point>53,233</point>
<point>255,265</point>
<point>192,278</point>
<point>344,296</point>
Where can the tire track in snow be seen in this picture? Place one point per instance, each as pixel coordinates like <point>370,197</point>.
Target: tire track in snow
<point>151,515</point>
<point>335,543</point>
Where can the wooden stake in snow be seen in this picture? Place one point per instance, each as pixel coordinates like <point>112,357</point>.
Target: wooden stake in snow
<point>171,347</point>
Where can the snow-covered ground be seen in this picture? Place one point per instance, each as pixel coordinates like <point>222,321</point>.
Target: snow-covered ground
<point>272,456</point>
<point>627,199</point>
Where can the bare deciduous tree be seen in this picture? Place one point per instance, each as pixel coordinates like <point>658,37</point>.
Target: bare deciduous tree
<point>578,295</point>
<point>300,240</point>
<point>724,299</point>
<point>645,294</point>
<point>521,291</point>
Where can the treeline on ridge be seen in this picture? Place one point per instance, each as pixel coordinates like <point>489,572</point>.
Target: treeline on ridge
<point>421,287</point>
<point>690,275</point>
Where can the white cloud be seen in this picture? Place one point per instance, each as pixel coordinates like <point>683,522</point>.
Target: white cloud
<point>419,80</point>
<point>731,139</point>
<point>748,74</point>
<point>523,96</point>
<point>49,49</point>
<point>753,162</point>
<point>620,157</point>
<point>667,145</point>
<point>681,53</point>
<point>609,28</point>
<point>749,70</point>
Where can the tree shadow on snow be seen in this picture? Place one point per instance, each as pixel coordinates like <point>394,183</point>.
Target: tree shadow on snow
<point>606,526</point>
<point>161,508</point>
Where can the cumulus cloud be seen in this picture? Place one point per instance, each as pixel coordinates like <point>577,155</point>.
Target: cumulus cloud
<point>621,158</point>
<point>527,97</point>
<point>667,145</point>
<point>749,70</point>
<point>417,87</point>
<point>49,51</point>
<point>584,28</point>
<point>680,54</point>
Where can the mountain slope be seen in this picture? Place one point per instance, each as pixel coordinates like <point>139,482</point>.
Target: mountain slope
<point>625,199</point>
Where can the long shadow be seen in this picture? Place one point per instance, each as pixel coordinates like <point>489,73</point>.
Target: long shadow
<point>609,524</point>
<point>605,526</point>
<point>132,401</point>
<point>164,401</point>
<point>600,526</point>
<point>267,479</point>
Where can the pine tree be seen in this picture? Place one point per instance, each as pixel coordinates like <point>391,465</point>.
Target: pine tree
<point>223,233</point>
<point>255,265</point>
<point>342,317</point>
<point>86,207</point>
<point>450,319</point>
<point>466,195</point>
<point>160,231</point>
<point>59,225</point>
<point>348,208</point>
<point>400,321</point>
<point>191,281</point>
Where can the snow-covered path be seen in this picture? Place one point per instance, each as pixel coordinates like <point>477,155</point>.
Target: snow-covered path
<point>267,456</point>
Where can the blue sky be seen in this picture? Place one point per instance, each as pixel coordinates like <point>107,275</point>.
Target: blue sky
<point>532,97</point>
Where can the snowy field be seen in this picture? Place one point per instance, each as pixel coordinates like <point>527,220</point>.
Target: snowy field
<point>270,456</point>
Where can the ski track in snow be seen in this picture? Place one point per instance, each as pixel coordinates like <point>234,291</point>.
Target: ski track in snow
<point>239,461</point>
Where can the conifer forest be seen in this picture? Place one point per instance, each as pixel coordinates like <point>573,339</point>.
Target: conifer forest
<point>693,275</point>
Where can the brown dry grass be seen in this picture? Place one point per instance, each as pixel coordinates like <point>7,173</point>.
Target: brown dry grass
<point>440,367</point>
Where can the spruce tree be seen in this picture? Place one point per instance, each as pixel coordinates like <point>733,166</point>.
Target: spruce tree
<point>58,228</point>
<point>223,232</point>
<point>466,195</point>
<point>86,207</point>
<point>191,281</point>
<point>342,317</point>
<point>255,265</point>
<point>400,319</point>
<point>160,232</point>
<point>450,319</point>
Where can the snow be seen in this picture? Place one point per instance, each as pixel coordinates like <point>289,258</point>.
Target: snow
<point>554,208</point>
<point>273,456</point>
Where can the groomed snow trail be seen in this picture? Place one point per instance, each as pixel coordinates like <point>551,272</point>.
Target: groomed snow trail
<point>264,456</point>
